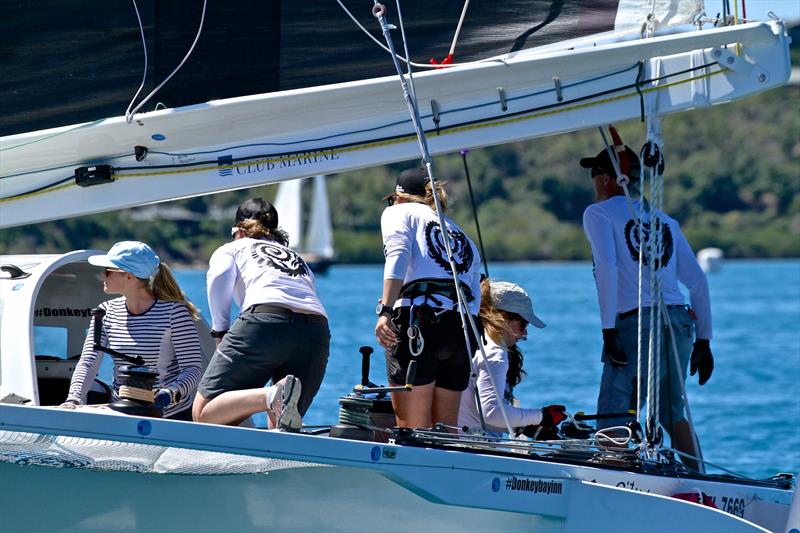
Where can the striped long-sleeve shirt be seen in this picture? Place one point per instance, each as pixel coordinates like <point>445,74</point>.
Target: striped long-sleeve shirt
<point>165,336</point>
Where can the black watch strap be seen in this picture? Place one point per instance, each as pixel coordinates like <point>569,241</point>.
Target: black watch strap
<point>383,310</point>
<point>217,334</point>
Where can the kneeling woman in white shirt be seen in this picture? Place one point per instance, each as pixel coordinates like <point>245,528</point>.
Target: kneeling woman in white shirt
<point>506,310</point>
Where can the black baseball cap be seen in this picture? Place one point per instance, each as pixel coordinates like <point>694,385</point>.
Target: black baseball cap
<point>603,161</point>
<point>258,209</point>
<point>411,181</point>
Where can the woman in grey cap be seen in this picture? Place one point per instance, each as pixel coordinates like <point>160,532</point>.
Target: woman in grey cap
<point>506,311</point>
<point>151,319</point>
<point>281,334</point>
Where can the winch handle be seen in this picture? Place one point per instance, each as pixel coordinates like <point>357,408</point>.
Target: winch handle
<point>98,315</point>
<point>366,351</point>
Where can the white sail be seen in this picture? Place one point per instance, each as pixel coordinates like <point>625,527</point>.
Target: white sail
<point>287,202</point>
<point>319,237</point>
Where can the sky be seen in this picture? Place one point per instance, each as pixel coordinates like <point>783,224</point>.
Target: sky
<point>757,9</point>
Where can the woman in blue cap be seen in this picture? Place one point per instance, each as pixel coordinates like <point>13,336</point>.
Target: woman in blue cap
<point>151,319</point>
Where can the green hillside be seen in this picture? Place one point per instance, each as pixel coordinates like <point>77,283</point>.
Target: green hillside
<point>732,180</point>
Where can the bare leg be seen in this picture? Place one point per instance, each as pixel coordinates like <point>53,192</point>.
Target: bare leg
<point>445,406</point>
<point>683,441</point>
<point>413,408</point>
<point>230,407</point>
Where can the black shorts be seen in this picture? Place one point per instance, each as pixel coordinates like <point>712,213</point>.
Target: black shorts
<point>445,357</point>
<point>266,346</point>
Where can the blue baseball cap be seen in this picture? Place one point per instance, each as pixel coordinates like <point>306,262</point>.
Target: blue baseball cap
<point>131,256</point>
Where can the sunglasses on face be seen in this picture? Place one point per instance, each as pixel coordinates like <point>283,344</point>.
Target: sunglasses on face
<point>518,318</point>
<point>109,271</point>
<point>390,200</point>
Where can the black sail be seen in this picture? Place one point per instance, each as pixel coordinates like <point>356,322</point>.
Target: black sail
<point>70,62</point>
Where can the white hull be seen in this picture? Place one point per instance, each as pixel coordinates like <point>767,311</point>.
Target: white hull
<point>242,142</point>
<point>353,485</point>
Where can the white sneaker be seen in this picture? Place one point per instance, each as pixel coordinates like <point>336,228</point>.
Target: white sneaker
<point>284,404</point>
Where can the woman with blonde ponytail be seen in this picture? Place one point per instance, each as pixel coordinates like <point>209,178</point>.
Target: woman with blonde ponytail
<point>506,310</point>
<point>151,319</point>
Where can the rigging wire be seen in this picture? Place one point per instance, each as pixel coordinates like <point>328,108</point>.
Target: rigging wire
<point>475,212</point>
<point>379,11</point>
<point>406,59</point>
<point>128,113</point>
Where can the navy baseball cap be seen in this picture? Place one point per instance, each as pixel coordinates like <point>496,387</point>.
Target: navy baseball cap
<point>602,161</point>
<point>131,256</point>
<point>411,181</point>
<point>258,209</point>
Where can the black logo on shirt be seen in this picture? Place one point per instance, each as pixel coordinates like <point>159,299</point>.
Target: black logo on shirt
<point>276,256</point>
<point>632,240</point>
<point>462,251</point>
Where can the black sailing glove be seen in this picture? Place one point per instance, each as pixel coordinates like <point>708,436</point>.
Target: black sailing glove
<point>612,348</point>
<point>702,362</point>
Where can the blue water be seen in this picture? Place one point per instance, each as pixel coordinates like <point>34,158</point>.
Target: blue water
<point>747,416</point>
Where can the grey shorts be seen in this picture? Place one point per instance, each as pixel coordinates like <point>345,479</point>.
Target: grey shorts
<point>618,386</point>
<point>264,346</point>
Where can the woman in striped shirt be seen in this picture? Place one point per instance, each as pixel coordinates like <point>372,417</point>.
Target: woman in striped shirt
<point>151,319</point>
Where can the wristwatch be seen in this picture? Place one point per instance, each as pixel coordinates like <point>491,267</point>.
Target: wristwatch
<point>217,334</point>
<point>383,310</point>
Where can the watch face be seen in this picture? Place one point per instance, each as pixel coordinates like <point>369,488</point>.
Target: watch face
<point>379,308</point>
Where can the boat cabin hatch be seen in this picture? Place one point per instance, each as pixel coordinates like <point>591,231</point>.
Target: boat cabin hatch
<point>45,310</point>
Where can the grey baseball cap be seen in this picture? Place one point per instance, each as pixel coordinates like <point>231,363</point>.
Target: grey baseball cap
<point>512,298</point>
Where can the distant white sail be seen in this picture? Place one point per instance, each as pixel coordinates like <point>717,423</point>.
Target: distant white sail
<point>319,237</point>
<point>287,202</point>
<point>710,259</point>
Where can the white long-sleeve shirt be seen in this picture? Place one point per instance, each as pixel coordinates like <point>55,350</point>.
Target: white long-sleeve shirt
<point>255,271</point>
<point>165,336</point>
<point>468,415</point>
<point>613,236</point>
<point>413,245</point>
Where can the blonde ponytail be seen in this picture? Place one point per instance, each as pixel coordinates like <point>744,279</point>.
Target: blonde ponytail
<point>165,287</point>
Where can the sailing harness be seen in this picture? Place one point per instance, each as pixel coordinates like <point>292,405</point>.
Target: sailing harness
<point>432,290</point>
<point>409,94</point>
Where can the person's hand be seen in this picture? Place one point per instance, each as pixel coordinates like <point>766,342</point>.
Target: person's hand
<point>553,415</point>
<point>701,362</point>
<point>162,398</point>
<point>69,404</point>
<point>612,348</point>
<point>385,332</point>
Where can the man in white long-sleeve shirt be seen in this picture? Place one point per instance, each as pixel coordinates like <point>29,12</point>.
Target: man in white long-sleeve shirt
<point>611,225</point>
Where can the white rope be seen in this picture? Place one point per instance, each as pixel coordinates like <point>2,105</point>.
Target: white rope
<point>128,113</point>
<point>617,441</point>
<point>405,59</point>
<point>144,72</point>
<point>379,12</point>
<point>458,28</point>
